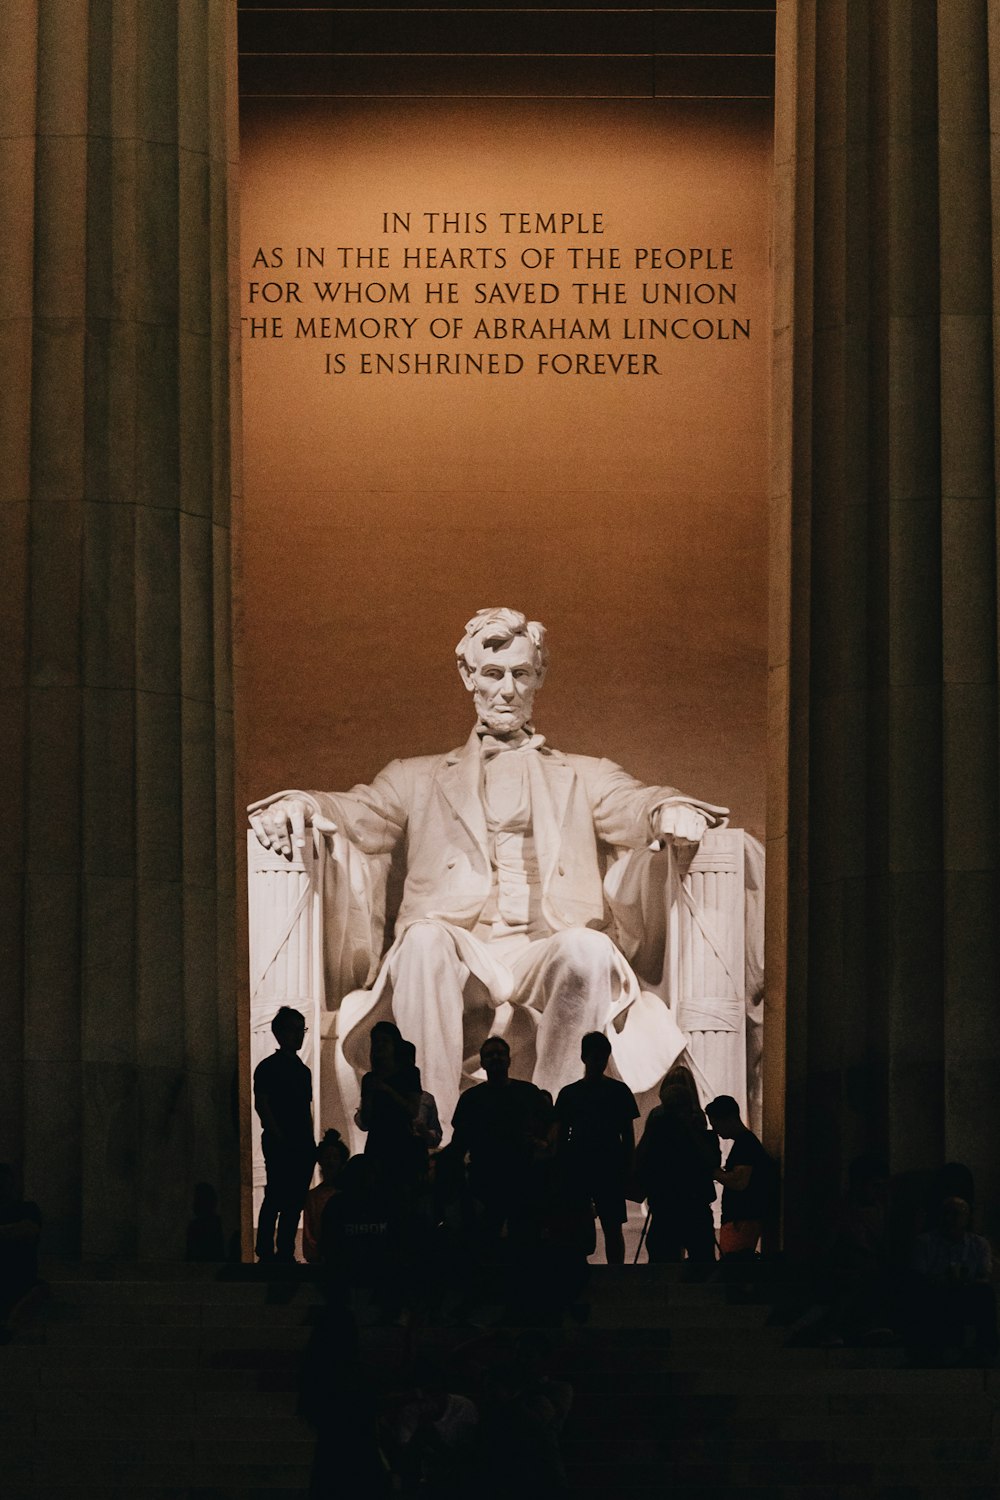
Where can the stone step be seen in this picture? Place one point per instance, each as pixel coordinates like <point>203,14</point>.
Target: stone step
<point>142,1315</point>
<point>674,1348</point>
<point>239,1311</point>
<point>162,1272</point>
<point>128,1489</point>
<point>195,1371</point>
<point>702,1431</point>
<point>105,1335</point>
<point>54,1426</point>
<point>205,1293</point>
<point>189,1405</point>
<point>73,1465</point>
<point>184,1480</point>
<point>58,1318</point>
<point>919,1406</point>
<point>600,1466</point>
<point>65,1307</point>
<point>591,1365</point>
<point>180,1282</point>
<point>711,1490</point>
<point>828,1380</point>
<point>809,1475</point>
<point>707,1315</point>
<point>755,1447</point>
<point>155,1386</point>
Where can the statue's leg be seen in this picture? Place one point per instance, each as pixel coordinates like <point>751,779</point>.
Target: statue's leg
<point>572,977</point>
<point>427,979</point>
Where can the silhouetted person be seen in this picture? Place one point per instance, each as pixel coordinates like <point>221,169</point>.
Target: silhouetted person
<point>360,1242</point>
<point>498,1126</point>
<point>205,1239</point>
<point>679,1076</point>
<point>390,1104</point>
<point>748,1180</point>
<point>597,1139</point>
<point>676,1162</point>
<point>20,1230</point>
<point>331,1156</point>
<point>952,1292</point>
<point>555,1236</point>
<point>282,1091</point>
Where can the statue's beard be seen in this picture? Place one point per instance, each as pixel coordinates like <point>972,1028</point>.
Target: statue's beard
<point>503,718</point>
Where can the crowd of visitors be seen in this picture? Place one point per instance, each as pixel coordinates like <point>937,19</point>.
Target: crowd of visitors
<point>506,1213</point>
<point>520,1168</point>
<point>494,1230</point>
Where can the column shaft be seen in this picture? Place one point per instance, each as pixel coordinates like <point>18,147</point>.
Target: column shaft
<point>117,135</point>
<point>883,951</point>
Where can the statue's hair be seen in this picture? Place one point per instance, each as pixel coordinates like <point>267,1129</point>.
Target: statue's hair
<point>495,628</point>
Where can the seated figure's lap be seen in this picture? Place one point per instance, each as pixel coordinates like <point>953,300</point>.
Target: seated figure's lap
<point>428,936</point>
<point>573,957</point>
<point>578,950</point>
<point>565,981</point>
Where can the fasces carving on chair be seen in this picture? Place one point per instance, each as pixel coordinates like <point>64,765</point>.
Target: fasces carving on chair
<point>538,894</point>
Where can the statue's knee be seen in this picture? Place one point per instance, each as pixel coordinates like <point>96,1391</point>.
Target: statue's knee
<point>427,940</point>
<point>583,949</point>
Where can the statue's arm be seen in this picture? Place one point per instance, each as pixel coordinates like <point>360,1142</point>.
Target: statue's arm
<point>630,815</point>
<point>372,817</point>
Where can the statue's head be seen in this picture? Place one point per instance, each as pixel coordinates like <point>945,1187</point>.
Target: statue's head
<point>502,661</point>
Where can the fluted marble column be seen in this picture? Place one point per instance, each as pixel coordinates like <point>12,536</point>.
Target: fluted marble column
<point>883,920</point>
<point>118,1032</point>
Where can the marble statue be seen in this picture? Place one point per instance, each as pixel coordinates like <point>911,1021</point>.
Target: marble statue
<point>519,911</point>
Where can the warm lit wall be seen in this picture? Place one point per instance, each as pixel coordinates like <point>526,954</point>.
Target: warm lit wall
<point>628,513</point>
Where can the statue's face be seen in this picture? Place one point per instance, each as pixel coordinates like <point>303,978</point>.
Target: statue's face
<point>504,683</point>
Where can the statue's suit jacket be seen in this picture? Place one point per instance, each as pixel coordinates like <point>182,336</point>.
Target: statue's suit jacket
<point>430,808</point>
<point>582,807</point>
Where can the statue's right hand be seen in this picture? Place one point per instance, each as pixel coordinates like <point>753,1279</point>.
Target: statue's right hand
<point>281,825</point>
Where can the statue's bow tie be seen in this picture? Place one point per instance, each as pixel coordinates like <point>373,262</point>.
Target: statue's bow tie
<point>492,746</point>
